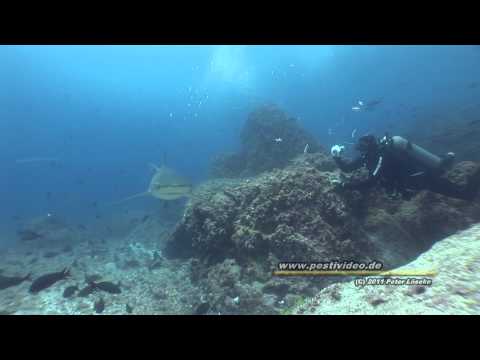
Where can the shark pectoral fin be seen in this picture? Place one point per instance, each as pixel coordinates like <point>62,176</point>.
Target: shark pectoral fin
<point>131,197</point>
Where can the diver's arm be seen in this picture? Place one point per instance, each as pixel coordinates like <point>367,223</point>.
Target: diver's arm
<point>362,184</point>
<point>348,166</point>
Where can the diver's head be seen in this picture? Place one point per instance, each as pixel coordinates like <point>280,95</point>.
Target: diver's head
<point>367,144</point>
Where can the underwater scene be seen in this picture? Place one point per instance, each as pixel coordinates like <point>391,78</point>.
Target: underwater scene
<point>239,180</point>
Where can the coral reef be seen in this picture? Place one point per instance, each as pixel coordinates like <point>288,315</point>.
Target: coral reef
<point>269,139</point>
<point>237,231</point>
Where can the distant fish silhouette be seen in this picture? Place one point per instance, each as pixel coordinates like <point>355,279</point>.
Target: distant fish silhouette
<point>28,235</point>
<point>36,159</point>
<point>372,105</point>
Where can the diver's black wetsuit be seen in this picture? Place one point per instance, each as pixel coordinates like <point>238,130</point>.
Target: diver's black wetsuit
<point>400,175</point>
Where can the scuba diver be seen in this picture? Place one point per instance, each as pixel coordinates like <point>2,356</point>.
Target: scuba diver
<point>402,168</point>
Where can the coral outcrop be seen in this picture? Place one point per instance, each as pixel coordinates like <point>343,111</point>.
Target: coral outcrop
<point>269,139</point>
<point>238,230</point>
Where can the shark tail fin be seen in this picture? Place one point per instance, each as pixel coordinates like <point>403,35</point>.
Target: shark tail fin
<point>130,198</point>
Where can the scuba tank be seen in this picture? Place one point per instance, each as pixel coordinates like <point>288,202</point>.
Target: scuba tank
<point>416,153</point>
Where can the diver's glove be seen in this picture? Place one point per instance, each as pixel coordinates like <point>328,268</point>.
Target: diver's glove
<point>337,150</point>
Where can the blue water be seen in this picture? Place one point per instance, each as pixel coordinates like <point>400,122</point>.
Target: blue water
<point>105,112</point>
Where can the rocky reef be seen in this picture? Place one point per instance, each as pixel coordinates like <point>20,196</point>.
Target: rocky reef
<point>455,289</point>
<point>237,231</point>
<point>269,139</point>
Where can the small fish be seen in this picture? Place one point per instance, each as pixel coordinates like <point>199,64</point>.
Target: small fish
<point>202,309</point>
<point>145,218</point>
<point>306,149</point>
<point>107,286</point>
<point>50,254</point>
<point>330,131</point>
<point>29,235</point>
<point>6,281</point>
<point>99,306</point>
<point>81,227</point>
<point>278,140</point>
<point>128,309</point>
<point>69,291</point>
<point>353,133</point>
<point>47,280</point>
<point>355,108</point>
<point>92,278</point>
<point>89,289</point>
<point>473,85</point>
<point>360,102</point>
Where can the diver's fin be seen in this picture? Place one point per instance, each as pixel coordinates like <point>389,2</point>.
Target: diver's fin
<point>131,197</point>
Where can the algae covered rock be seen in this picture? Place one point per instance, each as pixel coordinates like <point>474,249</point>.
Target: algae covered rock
<point>269,140</point>
<point>238,230</point>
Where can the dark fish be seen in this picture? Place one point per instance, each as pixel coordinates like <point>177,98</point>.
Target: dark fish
<point>94,204</point>
<point>50,254</point>
<point>6,282</point>
<point>372,105</point>
<point>92,278</point>
<point>47,280</point>
<point>128,309</point>
<point>87,290</point>
<point>28,235</point>
<point>69,291</point>
<point>82,227</point>
<point>99,306</point>
<point>107,286</point>
<point>473,122</point>
<point>145,218</point>
<point>202,309</point>
<point>473,85</point>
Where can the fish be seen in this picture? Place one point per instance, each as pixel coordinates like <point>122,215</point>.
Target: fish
<point>50,254</point>
<point>47,280</point>
<point>69,291</point>
<point>165,184</point>
<point>107,286</point>
<point>278,140</point>
<point>473,85</point>
<point>360,102</point>
<point>6,281</point>
<point>128,309</point>
<point>355,108</point>
<point>37,159</point>
<point>353,133</point>
<point>29,235</point>
<point>99,306</point>
<point>87,290</point>
<point>372,105</point>
<point>202,308</point>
